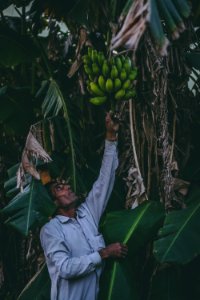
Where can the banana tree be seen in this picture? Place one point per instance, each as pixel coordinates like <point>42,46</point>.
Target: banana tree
<point>158,127</point>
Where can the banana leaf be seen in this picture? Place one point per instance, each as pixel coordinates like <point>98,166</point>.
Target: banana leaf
<point>54,102</point>
<point>30,208</point>
<point>15,49</point>
<point>4,4</point>
<point>193,60</point>
<point>38,287</point>
<point>134,228</point>
<point>16,114</point>
<point>178,240</point>
<point>10,186</point>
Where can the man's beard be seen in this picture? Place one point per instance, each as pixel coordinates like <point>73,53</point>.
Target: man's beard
<point>74,204</point>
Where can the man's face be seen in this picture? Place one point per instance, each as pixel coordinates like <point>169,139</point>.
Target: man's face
<point>63,194</point>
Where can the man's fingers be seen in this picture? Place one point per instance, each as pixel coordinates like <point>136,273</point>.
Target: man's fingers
<point>123,245</point>
<point>124,250</point>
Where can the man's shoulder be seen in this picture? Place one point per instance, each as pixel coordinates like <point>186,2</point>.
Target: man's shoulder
<point>51,226</point>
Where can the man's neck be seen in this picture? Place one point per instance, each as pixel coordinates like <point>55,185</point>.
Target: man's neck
<point>70,213</point>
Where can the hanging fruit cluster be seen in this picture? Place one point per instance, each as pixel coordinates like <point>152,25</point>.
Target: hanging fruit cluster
<point>109,79</point>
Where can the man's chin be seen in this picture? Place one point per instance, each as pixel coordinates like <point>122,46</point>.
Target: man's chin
<point>74,203</point>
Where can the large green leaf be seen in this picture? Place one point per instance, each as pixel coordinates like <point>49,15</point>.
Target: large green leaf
<point>30,208</point>
<point>134,228</point>
<point>178,240</point>
<point>38,287</point>
<point>15,49</point>
<point>16,112</point>
<point>4,4</point>
<point>118,282</point>
<point>10,185</point>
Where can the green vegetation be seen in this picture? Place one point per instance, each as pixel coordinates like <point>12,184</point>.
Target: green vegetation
<point>63,64</point>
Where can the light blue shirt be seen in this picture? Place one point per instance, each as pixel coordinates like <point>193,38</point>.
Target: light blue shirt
<point>71,245</point>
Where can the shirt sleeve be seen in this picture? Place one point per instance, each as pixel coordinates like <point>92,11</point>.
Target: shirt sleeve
<point>97,198</point>
<point>58,255</point>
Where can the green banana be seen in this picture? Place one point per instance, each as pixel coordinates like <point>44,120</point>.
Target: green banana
<point>100,58</point>
<point>109,85</point>
<point>86,59</point>
<point>95,69</point>
<point>91,77</point>
<point>123,74</point>
<point>117,84</point>
<point>133,74</point>
<point>94,55</point>
<point>114,72</point>
<point>127,65</point>
<point>123,59</point>
<point>95,89</point>
<point>126,85</point>
<point>119,94</point>
<point>118,63</point>
<point>89,90</point>
<point>102,83</point>
<point>98,100</point>
<point>105,69</point>
<point>108,77</point>
<point>87,70</point>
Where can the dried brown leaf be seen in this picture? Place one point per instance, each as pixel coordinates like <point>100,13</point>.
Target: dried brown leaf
<point>133,27</point>
<point>77,63</point>
<point>33,148</point>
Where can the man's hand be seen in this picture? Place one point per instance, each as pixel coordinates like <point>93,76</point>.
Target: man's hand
<point>112,127</point>
<point>116,250</point>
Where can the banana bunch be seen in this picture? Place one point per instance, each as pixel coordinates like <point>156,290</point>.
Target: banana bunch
<point>109,79</point>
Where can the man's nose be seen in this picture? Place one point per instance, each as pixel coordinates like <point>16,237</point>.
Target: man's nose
<point>67,187</point>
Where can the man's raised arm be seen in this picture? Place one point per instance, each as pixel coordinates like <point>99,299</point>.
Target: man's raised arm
<point>97,199</point>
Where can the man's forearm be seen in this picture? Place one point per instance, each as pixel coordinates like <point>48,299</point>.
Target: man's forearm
<point>111,128</point>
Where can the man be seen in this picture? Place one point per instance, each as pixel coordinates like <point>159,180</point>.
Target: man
<point>74,249</point>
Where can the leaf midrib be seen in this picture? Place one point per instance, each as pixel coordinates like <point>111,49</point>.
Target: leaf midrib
<point>29,208</point>
<point>135,224</point>
<point>124,242</point>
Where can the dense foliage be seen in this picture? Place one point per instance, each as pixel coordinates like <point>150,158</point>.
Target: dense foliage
<point>47,114</point>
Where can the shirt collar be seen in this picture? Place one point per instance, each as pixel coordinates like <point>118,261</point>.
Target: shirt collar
<point>65,219</point>
<point>62,219</point>
<point>80,213</point>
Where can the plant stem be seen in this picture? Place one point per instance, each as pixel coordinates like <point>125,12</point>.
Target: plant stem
<point>133,142</point>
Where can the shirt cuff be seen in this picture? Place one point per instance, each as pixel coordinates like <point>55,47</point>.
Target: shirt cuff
<point>96,258</point>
